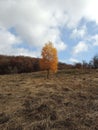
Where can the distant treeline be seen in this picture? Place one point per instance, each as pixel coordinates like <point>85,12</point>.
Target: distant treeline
<point>18,64</point>
<point>92,64</point>
<point>22,64</point>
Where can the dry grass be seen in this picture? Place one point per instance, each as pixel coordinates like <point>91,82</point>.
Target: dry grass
<point>67,101</point>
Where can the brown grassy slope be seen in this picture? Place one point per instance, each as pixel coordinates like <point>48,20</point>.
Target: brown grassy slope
<point>68,101</point>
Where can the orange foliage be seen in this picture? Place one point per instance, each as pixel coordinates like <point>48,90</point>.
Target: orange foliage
<point>49,59</point>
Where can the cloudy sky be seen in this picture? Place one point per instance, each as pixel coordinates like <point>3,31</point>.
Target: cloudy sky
<point>72,26</point>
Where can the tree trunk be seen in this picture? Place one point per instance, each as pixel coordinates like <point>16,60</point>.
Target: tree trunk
<point>47,73</point>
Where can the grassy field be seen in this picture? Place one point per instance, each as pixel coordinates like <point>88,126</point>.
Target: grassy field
<point>66,101</point>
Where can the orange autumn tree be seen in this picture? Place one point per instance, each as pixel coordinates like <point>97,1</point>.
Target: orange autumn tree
<point>49,60</point>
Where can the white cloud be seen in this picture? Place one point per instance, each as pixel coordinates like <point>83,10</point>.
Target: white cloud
<point>34,23</point>
<point>38,21</point>
<point>61,46</point>
<point>80,47</point>
<point>79,32</point>
<point>26,52</point>
<point>91,10</point>
<point>73,60</point>
<point>95,38</point>
<point>7,40</point>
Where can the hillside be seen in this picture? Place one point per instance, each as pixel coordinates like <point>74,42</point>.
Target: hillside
<point>66,101</point>
<point>23,64</point>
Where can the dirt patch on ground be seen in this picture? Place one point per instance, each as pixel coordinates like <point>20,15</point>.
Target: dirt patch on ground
<point>67,101</point>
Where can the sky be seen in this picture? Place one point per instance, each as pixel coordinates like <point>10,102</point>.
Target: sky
<point>71,25</point>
